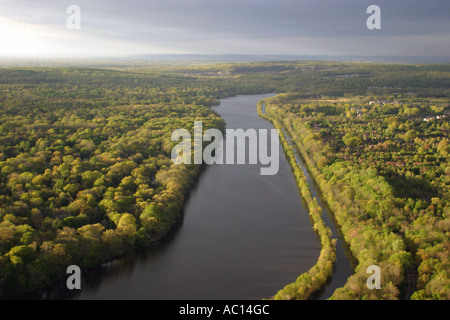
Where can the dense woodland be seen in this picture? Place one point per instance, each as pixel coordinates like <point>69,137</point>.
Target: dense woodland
<point>85,168</point>
<point>383,167</point>
<point>86,175</point>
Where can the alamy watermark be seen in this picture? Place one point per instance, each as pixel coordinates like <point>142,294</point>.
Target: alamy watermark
<point>374,21</point>
<point>74,280</point>
<point>73,21</point>
<point>258,150</point>
<point>374,281</point>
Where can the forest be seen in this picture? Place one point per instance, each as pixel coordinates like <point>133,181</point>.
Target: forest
<point>85,169</point>
<point>382,165</point>
<point>86,175</point>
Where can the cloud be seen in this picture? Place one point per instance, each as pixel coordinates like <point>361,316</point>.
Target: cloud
<point>238,26</point>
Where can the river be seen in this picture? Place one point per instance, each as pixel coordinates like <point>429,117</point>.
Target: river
<point>344,265</point>
<point>243,236</point>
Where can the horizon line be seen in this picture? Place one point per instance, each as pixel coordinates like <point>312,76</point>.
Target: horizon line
<point>234,57</point>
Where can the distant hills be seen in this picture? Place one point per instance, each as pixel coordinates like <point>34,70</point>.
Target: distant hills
<point>262,58</point>
<point>93,61</point>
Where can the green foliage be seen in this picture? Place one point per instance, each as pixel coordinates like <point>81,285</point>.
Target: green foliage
<point>84,159</point>
<point>312,281</point>
<point>383,174</point>
<point>86,176</point>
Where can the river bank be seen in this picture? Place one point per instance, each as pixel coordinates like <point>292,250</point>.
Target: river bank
<point>242,236</point>
<point>334,265</point>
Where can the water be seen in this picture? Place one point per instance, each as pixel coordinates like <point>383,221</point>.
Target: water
<point>343,267</point>
<point>243,236</point>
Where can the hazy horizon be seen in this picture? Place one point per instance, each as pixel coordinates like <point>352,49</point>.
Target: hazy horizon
<point>23,61</point>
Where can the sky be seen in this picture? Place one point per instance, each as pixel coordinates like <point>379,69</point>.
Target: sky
<point>257,27</point>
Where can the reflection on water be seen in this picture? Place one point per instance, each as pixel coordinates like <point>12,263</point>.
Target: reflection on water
<point>243,236</point>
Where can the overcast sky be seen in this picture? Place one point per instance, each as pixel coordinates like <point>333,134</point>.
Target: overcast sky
<point>300,27</point>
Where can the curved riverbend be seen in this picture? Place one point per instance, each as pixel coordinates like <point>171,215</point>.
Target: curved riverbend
<point>243,236</point>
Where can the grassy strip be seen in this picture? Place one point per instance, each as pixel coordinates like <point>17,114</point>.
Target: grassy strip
<point>312,281</point>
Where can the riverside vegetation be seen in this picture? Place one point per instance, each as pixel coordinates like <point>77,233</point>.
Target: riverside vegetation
<point>86,175</point>
<point>312,281</point>
<point>383,168</point>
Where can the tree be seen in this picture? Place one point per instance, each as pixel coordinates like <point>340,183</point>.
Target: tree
<point>410,135</point>
<point>127,227</point>
<point>92,231</point>
<point>352,139</point>
<point>21,254</point>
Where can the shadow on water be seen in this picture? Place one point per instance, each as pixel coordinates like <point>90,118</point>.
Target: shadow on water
<point>92,278</point>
